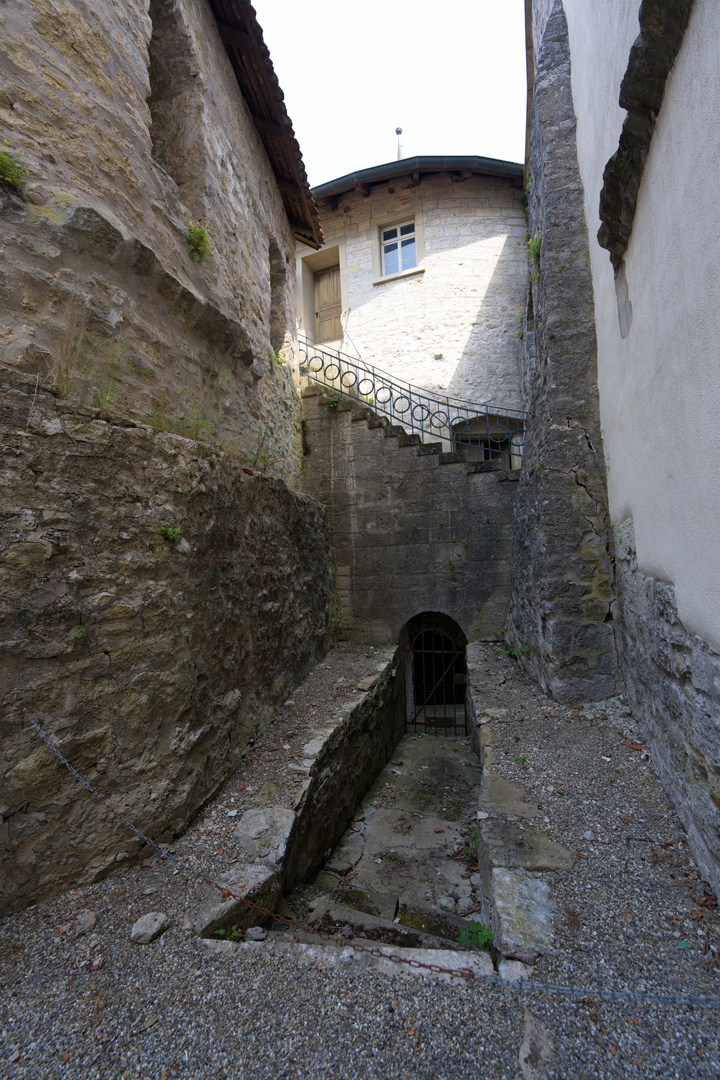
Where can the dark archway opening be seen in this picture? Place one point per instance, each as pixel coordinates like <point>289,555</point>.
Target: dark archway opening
<point>433,651</point>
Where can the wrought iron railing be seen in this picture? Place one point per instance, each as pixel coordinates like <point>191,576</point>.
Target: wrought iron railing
<point>484,431</point>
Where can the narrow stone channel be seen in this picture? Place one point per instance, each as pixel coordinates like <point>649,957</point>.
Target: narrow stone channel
<point>410,853</point>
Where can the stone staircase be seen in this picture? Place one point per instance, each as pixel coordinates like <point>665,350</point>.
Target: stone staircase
<point>374,421</point>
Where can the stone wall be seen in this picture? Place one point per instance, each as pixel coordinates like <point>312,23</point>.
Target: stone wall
<point>150,660</point>
<point>287,843</point>
<point>562,576</point>
<point>454,327</point>
<point>673,682</point>
<point>132,125</point>
<point>413,530</point>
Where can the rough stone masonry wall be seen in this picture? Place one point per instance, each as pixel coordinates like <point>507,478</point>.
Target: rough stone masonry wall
<point>132,125</point>
<point>673,682</point>
<point>150,662</point>
<point>413,530</point>
<point>454,328</point>
<point>562,576</point>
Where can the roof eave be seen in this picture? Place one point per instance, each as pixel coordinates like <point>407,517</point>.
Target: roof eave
<point>249,55</point>
<point>420,164</point>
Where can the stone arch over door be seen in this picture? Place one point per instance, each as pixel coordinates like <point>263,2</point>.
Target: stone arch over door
<point>434,674</point>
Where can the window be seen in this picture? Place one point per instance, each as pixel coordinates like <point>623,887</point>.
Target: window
<point>398,248</point>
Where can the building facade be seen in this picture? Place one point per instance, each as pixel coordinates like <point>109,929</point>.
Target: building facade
<point>423,274</point>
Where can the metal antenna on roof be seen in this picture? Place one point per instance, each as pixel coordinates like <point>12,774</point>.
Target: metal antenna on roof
<point>398,132</point>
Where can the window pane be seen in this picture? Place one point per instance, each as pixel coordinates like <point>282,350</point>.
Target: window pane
<point>391,260</point>
<point>409,256</point>
<point>389,234</point>
<point>390,247</point>
<point>406,230</point>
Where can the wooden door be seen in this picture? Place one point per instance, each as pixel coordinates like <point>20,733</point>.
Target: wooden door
<point>328,305</point>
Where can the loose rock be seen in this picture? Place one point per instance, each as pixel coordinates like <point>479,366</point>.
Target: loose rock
<point>85,922</point>
<point>150,926</point>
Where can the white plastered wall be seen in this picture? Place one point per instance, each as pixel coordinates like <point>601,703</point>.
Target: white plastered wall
<point>450,325</point>
<point>660,386</point>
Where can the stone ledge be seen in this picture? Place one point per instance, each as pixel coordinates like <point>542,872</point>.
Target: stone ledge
<point>286,844</point>
<point>83,230</point>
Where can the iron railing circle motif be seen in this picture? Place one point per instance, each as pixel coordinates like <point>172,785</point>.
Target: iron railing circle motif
<point>486,431</point>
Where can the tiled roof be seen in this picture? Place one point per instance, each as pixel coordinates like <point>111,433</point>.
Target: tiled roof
<point>250,58</point>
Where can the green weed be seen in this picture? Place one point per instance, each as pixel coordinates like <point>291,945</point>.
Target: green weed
<point>515,652</point>
<point>233,934</point>
<point>264,456</point>
<point>476,934</point>
<point>12,172</point>
<point>169,532</point>
<point>198,242</point>
<point>470,846</point>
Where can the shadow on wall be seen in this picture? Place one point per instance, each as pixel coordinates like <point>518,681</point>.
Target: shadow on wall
<point>492,354</point>
<point>486,363</point>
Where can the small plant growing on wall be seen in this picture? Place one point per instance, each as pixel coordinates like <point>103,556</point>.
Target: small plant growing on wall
<point>265,456</point>
<point>12,172</point>
<point>198,242</point>
<point>533,253</point>
<point>169,532</point>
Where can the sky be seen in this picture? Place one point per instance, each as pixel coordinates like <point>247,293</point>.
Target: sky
<point>451,74</point>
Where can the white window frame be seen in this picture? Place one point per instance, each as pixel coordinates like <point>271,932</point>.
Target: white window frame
<point>399,241</point>
<point>409,215</point>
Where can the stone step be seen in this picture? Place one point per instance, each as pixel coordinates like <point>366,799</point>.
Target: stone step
<point>495,465</point>
<point>358,924</point>
<point>384,958</point>
<point>426,449</point>
<point>393,431</point>
<point>409,440</point>
<point>452,457</point>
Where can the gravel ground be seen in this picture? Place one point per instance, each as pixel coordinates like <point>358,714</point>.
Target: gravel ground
<point>633,913</point>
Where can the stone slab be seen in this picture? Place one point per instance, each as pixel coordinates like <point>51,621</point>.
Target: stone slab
<point>264,833</point>
<point>349,959</point>
<point>507,844</point>
<point>344,858</point>
<point>363,924</point>
<point>254,882</point>
<point>522,914</point>
<point>499,796</point>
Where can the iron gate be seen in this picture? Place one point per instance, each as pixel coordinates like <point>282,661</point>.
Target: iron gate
<point>435,685</point>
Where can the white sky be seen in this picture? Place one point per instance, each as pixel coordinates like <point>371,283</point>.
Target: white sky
<point>451,74</point>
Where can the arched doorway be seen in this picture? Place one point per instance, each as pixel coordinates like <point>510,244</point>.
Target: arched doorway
<point>435,675</point>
